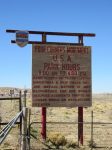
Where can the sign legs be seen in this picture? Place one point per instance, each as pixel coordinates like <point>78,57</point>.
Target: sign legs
<point>43,132</point>
<point>80,125</point>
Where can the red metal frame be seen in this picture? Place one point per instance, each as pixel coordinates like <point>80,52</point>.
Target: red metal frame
<point>55,33</point>
<point>80,125</point>
<point>43,131</point>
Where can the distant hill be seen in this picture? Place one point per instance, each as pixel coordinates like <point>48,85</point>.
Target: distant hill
<point>6,91</point>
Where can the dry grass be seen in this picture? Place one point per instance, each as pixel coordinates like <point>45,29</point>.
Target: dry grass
<point>102,108</point>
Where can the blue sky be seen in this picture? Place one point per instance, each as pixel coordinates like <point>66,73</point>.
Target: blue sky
<point>87,16</point>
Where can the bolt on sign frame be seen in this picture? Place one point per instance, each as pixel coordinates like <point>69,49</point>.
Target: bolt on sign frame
<point>44,41</point>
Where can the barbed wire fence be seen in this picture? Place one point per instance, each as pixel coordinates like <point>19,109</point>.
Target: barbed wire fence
<point>97,131</point>
<point>20,119</point>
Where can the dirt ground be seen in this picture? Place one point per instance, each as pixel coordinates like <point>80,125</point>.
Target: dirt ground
<point>102,127</point>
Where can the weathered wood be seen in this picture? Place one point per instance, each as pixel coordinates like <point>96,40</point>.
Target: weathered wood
<point>61,76</point>
<point>24,99</point>
<point>9,98</point>
<point>24,129</point>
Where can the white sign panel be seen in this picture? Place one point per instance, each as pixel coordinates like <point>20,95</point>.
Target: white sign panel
<point>22,38</point>
<point>61,76</point>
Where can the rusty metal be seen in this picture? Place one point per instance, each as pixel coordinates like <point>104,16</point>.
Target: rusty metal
<point>55,33</point>
<point>43,131</point>
<point>43,110</point>
<point>44,37</point>
<point>80,125</point>
<point>56,43</point>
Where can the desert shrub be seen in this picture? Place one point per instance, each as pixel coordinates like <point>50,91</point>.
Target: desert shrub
<point>91,144</point>
<point>72,144</point>
<point>6,144</point>
<point>34,132</point>
<point>57,140</point>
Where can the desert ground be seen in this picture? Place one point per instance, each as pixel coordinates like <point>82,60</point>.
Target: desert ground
<point>66,125</point>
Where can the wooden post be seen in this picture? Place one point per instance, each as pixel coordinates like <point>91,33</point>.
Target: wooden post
<point>29,128</point>
<point>24,129</point>
<point>0,120</point>
<point>24,101</point>
<point>20,108</point>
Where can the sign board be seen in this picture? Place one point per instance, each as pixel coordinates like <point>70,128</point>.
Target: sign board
<point>22,38</point>
<point>61,76</point>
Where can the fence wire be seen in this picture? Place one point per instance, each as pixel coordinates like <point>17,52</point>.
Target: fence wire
<point>70,131</point>
<point>64,121</point>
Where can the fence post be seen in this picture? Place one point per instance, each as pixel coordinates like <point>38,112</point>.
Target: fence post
<point>24,101</point>
<point>92,129</point>
<point>20,108</point>
<point>29,128</point>
<point>0,115</point>
<point>24,129</point>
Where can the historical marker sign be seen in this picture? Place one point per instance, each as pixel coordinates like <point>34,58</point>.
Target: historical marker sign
<point>22,38</point>
<point>61,76</point>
